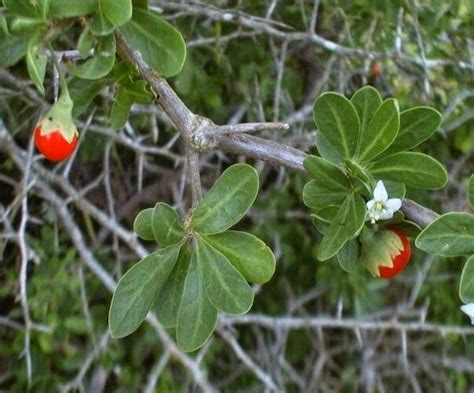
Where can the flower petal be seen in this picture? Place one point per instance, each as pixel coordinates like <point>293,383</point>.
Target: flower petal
<point>393,204</point>
<point>468,309</point>
<point>385,214</point>
<point>380,193</point>
<point>370,204</point>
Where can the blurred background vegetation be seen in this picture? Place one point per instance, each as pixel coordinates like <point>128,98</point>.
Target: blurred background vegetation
<point>247,61</point>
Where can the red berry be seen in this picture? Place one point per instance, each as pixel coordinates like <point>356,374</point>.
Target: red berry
<point>376,70</point>
<point>53,145</point>
<point>400,260</point>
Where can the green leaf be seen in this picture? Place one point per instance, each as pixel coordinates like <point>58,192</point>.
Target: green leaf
<point>337,119</point>
<point>128,94</point>
<point>142,225</point>
<point>85,42</point>
<point>43,8</point>
<point>225,287</point>
<point>330,187</point>
<point>227,201</point>
<point>381,130</point>
<point>100,25</point>
<point>167,302</point>
<point>160,44</point>
<point>140,4</point>
<point>410,228</point>
<point>13,48</point>
<point>413,169</point>
<point>70,9</point>
<point>24,25</point>
<point>83,91</point>
<point>36,61</point>
<point>325,150</point>
<point>166,225</point>
<point>470,191</point>
<point>21,7</point>
<point>361,178</point>
<point>348,256</point>
<point>249,255</point>
<point>137,290</point>
<point>327,214</point>
<point>123,72</point>
<point>4,26</point>
<point>120,108</point>
<point>366,101</point>
<point>416,125</point>
<point>197,317</point>
<point>450,235</point>
<point>118,12</point>
<point>466,285</point>
<point>100,64</point>
<point>394,189</point>
<point>345,226</point>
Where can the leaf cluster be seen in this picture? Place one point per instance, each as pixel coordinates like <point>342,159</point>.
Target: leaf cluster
<point>361,141</point>
<point>202,267</point>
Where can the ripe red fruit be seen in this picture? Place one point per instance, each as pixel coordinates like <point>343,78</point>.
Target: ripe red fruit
<point>376,70</point>
<point>53,144</point>
<point>56,134</point>
<point>400,260</point>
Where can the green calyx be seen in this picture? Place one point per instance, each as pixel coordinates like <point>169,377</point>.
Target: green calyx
<point>378,248</point>
<point>59,117</point>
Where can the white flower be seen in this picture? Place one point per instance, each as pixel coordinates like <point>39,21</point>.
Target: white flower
<point>382,208</point>
<point>468,309</point>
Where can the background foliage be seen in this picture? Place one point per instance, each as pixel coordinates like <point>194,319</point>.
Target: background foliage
<point>247,61</point>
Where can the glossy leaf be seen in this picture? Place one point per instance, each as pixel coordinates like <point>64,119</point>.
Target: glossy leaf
<point>325,150</point>
<point>394,189</point>
<point>329,187</point>
<point>345,226</point>
<point>380,132</point>
<point>466,285</point>
<point>25,25</point>
<point>348,256</point>
<point>167,302</point>
<point>327,214</point>
<point>142,224</point>
<point>36,61</point>
<point>225,287</point>
<point>227,201</point>
<point>160,44</point>
<point>197,317</point>
<point>361,178</point>
<point>450,235</point>
<point>23,8</point>
<point>413,169</point>
<point>338,121</point>
<point>100,64</point>
<point>83,92</point>
<point>70,9</point>
<point>366,101</point>
<point>137,290</point>
<point>249,255</point>
<point>142,4</point>
<point>13,48</point>
<point>416,125</point>
<point>100,25</point>
<point>85,42</point>
<point>126,96</point>
<point>166,225</point>
<point>118,12</point>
